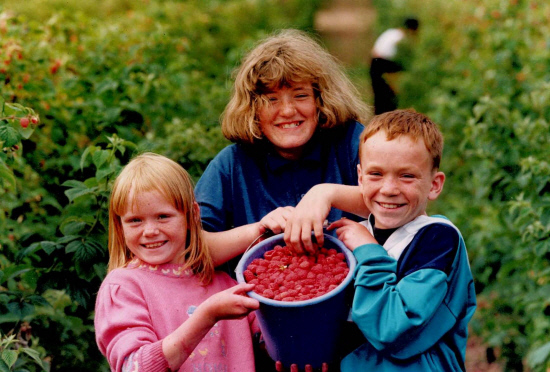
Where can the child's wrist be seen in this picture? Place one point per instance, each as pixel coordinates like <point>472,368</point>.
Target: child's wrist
<point>207,312</point>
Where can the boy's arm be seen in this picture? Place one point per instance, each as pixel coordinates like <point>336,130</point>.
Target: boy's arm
<point>310,214</point>
<point>226,245</point>
<point>409,303</point>
<point>413,302</point>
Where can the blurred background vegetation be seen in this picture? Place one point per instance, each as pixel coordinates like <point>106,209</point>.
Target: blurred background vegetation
<point>108,78</point>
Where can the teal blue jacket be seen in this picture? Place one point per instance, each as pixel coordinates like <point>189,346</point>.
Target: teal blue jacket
<point>413,308</point>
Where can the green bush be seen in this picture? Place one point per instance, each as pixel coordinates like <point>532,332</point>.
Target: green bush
<point>107,79</point>
<point>481,72</point>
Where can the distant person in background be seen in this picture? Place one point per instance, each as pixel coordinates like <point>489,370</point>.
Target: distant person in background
<point>385,60</point>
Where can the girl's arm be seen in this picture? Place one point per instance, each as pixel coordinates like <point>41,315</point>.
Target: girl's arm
<point>231,303</point>
<point>310,214</point>
<point>225,245</point>
<point>125,333</point>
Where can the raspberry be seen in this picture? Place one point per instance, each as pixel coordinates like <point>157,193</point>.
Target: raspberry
<point>301,273</point>
<point>24,122</point>
<point>248,275</point>
<point>292,277</point>
<point>338,270</point>
<point>285,276</point>
<point>268,293</point>
<point>318,268</point>
<point>252,268</point>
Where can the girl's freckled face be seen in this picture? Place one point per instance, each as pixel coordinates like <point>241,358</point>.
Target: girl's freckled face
<point>290,119</point>
<point>154,230</point>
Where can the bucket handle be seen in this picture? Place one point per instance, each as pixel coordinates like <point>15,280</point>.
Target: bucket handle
<point>266,234</point>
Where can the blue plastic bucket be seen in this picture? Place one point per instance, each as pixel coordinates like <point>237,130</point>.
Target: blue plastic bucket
<point>302,332</point>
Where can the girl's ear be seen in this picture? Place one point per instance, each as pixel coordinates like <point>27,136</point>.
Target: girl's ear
<point>196,211</point>
<point>438,179</point>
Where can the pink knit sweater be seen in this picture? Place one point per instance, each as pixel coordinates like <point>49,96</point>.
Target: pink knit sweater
<point>138,306</point>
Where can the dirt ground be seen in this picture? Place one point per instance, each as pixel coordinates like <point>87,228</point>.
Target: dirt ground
<point>476,357</point>
<point>346,29</point>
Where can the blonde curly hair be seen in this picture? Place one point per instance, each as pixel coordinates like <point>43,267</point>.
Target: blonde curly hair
<point>286,57</point>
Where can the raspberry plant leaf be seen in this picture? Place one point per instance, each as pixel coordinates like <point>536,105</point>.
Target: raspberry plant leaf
<point>9,357</point>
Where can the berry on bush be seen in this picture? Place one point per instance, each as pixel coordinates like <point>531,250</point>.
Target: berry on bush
<point>24,122</point>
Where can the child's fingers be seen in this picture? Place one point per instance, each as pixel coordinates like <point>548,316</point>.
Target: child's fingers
<point>243,302</point>
<point>293,237</point>
<point>276,220</point>
<point>307,243</point>
<point>242,288</point>
<point>319,233</point>
<point>339,223</point>
<point>250,303</point>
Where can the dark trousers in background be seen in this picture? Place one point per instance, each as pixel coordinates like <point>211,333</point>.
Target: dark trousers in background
<point>385,98</point>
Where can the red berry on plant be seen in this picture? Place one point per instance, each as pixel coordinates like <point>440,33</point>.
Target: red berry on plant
<point>34,120</point>
<point>55,66</point>
<point>24,122</point>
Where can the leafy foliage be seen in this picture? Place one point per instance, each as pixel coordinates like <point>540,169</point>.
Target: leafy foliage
<point>481,72</point>
<point>12,347</point>
<point>99,82</point>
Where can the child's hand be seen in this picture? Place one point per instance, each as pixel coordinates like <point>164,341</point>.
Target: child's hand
<point>294,368</point>
<point>276,220</point>
<point>232,303</point>
<point>308,216</point>
<point>352,233</point>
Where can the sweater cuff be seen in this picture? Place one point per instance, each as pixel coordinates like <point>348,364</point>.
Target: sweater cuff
<point>153,359</point>
<point>366,251</point>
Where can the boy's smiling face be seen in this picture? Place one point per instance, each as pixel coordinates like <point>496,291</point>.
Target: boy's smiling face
<point>396,179</point>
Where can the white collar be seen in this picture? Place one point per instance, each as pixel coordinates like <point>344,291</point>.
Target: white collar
<point>400,239</point>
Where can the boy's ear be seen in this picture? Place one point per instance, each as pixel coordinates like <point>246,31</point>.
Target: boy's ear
<point>438,179</point>
<point>359,178</point>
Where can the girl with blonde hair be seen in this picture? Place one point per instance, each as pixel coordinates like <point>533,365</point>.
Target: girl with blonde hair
<point>294,117</point>
<point>162,305</point>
